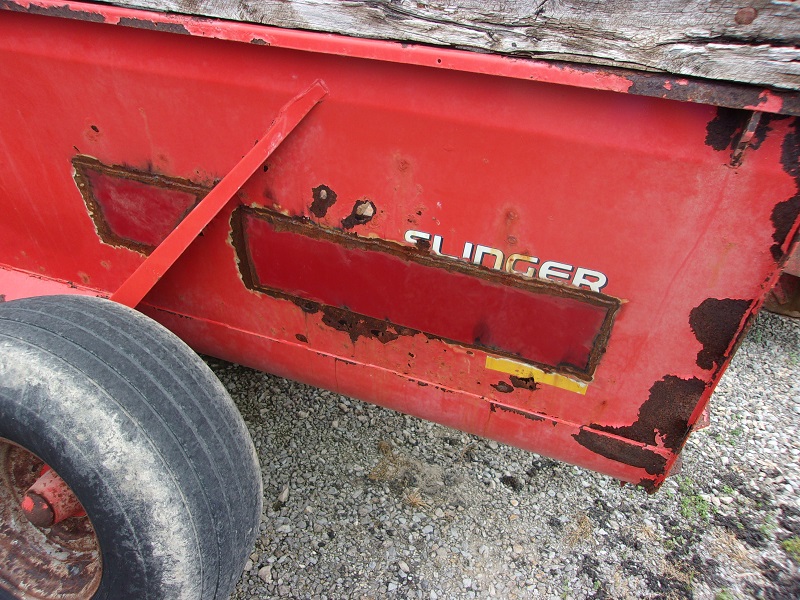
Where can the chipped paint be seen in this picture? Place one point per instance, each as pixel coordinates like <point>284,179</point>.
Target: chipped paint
<point>715,323</point>
<point>621,450</point>
<point>786,213</point>
<point>663,419</point>
<point>324,198</point>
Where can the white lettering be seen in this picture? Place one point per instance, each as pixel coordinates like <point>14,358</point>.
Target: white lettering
<point>515,258</point>
<point>551,269</point>
<point>436,248</point>
<point>481,251</point>
<point>598,282</point>
<point>412,236</point>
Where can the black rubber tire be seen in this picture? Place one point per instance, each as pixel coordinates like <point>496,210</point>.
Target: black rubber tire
<point>143,433</point>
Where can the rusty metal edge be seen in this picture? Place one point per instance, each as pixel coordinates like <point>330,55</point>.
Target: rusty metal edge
<point>304,226</point>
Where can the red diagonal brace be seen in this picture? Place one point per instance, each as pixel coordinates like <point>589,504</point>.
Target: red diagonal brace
<point>164,256</point>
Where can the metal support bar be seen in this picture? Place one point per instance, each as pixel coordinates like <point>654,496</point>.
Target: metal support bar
<point>164,256</point>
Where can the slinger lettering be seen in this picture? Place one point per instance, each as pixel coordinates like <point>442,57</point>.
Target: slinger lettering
<point>521,265</point>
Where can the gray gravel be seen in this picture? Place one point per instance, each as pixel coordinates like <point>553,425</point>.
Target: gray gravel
<point>362,502</point>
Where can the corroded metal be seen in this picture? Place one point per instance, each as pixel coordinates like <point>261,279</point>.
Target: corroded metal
<point>61,562</point>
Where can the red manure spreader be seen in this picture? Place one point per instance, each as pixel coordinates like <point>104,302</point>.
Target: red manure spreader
<point>548,225</point>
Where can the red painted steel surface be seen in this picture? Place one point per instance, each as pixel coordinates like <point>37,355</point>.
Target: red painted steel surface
<point>640,190</point>
<point>164,256</point>
<point>529,324</point>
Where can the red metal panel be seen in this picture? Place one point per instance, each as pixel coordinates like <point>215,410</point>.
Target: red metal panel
<point>547,324</point>
<point>642,191</point>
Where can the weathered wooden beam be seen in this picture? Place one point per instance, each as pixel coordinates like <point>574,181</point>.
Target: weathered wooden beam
<point>746,41</point>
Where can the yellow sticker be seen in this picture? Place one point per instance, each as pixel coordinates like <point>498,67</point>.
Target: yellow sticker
<point>512,367</point>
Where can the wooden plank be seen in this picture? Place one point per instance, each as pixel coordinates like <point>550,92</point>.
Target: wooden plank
<point>746,41</point>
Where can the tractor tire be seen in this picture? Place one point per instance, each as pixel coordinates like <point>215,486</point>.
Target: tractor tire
<point>147,439</point>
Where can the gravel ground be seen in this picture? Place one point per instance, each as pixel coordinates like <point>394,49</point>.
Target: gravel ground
<point>362,502</point>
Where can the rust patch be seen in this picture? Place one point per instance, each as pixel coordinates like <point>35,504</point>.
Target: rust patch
<point>54,11</point>
<point>301,338</point>
<point>2,298</point>
<point>259,42</point>
<point>356,326</point>
<point>666,413</point>
<point>87,167</point>
<point>716,93</point>
<point>786,213</point>
<point>724,128</point>
<point>502,387</point>
<point>715,323</point>
<point>621,451</point>
<point>649,485</point>
<point>324,198</point>
<point>363,212</point>
<point>525,383</point>
<point>494,407</point>
<point>153,25</point>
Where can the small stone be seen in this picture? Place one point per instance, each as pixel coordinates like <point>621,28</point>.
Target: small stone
<point>248,566</point>
<point>514,502</point>
<point>403,566</point>
<point>265,574</point>
<point>284,495</point>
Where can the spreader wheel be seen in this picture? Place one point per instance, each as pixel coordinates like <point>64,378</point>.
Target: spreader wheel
<point>125,469</point>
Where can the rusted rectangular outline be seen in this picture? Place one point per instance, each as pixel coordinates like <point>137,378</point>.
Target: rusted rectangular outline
<point>81,163</point>
<point>304,226</point>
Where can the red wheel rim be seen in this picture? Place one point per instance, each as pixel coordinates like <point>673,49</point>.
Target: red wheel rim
<point>61,562</point>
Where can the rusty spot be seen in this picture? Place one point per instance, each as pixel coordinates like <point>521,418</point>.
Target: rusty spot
<point>502,387</point>
<point>55,11</point>
<point>621,451</point>
<point>786,213</point>
<point>259,42</point>
<point>746,15</point>
<point>714,324</point>
<point>2,298</point>
<point>423,245</point>
<point>153,25</point>
<point>687,89</point>
<point>301,338</point>
<point>494,407</point>
<point>525,383</point>
<point>357,326</point>
<point>666,413</point>
<point>324,198</point>
<point>422,384</point>
<point>131,208</point>
<point>363,211</point>
<point>723,129</point>
<point>358,263</point>
<point>649,485</point>
<point>37,510</point>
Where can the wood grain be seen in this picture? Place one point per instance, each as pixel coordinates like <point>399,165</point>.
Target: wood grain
<point>749,41</point>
